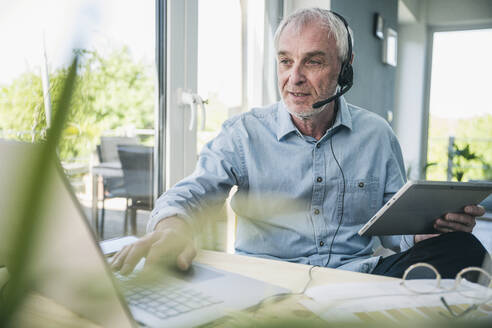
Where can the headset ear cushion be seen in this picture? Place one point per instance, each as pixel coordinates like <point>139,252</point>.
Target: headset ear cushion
<point>346,75</point>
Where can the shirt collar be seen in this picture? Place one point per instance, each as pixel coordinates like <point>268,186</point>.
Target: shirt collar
<point>286,126</point>
<point>343,115</point>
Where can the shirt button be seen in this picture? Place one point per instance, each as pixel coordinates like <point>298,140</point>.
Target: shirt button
<point>318,145</point>
<point>319,179</point>
<point>316,211</point>
<point>361,184</point>
<point>321,243</point>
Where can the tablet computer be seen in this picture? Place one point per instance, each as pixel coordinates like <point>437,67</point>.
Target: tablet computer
<point>415,207</point>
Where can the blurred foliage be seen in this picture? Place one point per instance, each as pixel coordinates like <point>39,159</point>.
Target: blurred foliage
<point>30,204</point>
<point>111,92</point>
<point>460,157</point>
<point>475,132</point>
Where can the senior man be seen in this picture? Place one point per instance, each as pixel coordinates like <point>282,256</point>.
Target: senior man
<point>308,177</point>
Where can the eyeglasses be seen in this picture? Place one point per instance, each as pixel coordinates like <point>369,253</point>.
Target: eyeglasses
<point>480,294</point>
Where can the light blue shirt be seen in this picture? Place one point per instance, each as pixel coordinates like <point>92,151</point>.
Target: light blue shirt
<point>290,188</point>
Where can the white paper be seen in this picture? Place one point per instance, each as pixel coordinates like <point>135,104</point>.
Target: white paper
<point>343,301</point>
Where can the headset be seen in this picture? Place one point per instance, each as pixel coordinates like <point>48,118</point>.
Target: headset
<point>346,75</point>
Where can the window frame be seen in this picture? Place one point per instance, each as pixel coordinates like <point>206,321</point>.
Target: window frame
<point>182,46</point>
<point>431,30</point>
<point>160,97</point>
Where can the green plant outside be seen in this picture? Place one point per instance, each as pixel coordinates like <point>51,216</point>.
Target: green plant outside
<point>19,263</point>
<point>112,91</point>
<point>474,132</point>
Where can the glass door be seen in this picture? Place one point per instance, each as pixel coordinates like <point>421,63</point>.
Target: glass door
<point>219,65</point>
<point>110,130</point>
<point>219,84</point>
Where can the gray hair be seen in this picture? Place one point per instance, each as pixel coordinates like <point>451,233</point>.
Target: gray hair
<point>326,20</point>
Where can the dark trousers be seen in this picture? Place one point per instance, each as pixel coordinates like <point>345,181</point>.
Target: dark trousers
<point>448,253</point>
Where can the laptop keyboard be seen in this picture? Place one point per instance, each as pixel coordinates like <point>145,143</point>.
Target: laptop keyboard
<point>164,300</point>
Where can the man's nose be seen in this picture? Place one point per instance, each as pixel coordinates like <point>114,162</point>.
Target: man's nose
<point>297,76</point>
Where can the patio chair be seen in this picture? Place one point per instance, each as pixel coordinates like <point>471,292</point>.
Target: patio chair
<point>137,165</point>
<point>113,187</point>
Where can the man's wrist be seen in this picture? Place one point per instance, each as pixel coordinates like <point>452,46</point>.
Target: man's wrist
<point>175,223</point>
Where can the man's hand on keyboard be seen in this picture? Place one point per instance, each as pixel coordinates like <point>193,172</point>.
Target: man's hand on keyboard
<point>171,244</point>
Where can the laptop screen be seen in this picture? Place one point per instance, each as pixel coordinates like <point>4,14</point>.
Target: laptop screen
<point>67,264</point>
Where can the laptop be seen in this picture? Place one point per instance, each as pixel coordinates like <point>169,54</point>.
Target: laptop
<point>71,268</point>
<point>415,207</point>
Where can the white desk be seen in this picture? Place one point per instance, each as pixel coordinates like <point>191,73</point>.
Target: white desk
<point>41,312</point>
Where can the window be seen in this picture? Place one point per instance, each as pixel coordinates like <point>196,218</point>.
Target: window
<point>219,66</point>
<point>114,100</point>
<point>460,124</point>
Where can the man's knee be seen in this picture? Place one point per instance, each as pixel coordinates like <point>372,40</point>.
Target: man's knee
<point>464,244</point>
<point>458,250</point>
<point>448,253</point>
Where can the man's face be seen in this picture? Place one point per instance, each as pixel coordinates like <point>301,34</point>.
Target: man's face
<point>307,67</point>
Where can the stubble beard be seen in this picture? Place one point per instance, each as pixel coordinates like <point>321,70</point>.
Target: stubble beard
<point>306,115</point>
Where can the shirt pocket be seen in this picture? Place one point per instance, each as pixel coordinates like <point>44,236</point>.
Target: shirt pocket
<point>360,199</point>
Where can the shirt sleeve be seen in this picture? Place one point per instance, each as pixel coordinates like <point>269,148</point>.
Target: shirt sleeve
<point>219,168</point>
<point>395,179</point>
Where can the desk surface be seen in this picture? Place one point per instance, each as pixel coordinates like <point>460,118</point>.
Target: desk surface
<point>292,276</point>
<point>41,312</point>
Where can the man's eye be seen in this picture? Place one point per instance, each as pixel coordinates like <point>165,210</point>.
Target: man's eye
<point>314,62</point>
<point>284,61</point>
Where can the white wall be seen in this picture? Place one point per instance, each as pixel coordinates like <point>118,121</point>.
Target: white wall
<point>408,11</point>
<point>458,12</point>
<point>409,121</point>
<point>413,7</point>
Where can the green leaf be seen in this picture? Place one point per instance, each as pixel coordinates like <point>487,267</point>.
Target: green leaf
<point>26,236</point>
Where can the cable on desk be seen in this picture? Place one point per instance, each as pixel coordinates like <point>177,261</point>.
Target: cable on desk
<point>282,296</point>
<point>310,275</point>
